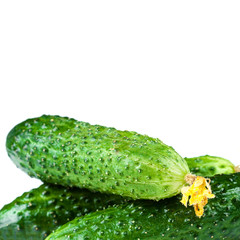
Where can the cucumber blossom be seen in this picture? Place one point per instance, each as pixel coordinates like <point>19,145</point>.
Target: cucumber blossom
<point>167,219</point>
<point>208,166</point>
<point>37,213</point>
<point>65,151</point>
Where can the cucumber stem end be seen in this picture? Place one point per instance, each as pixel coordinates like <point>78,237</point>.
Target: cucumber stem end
<point>237,168</point>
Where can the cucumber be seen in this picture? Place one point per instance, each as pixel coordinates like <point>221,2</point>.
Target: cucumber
<point>208,166</point>
<point>74,203</point>
<point>68,152</point>
<point>36,213</point>
<point>167,219</point>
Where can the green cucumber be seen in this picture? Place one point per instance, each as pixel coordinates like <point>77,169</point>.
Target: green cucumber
<point>65,151</point>
<point>167,219</point>
<point>36,213</point>
<point>208,166</point>
<point>19,220</point>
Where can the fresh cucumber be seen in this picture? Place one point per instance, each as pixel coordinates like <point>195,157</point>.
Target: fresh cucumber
<point>208,166</point>
<point>35,214</point>
<point>37,222</point>
<point>65,151</point>
<point>167,219</point>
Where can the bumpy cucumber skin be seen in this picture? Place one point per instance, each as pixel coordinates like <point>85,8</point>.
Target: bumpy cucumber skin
<point>167,219</point>
<point>35,214</point>
<point>64,151</point>
<point>20,220</point>
<point>208,166</point>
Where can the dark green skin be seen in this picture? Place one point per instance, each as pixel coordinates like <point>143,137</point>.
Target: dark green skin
<point>23,219</point>
<point>68,152</point>
<point>167,219</point>
<point>208,166</point>
<point>35,214</point>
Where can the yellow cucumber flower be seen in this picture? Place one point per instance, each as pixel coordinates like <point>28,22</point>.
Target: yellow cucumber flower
<point>198,192</point>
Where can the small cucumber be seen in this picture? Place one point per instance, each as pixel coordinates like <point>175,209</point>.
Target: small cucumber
<point>167,219</point>
<point>65,151</point>
<point>208,166</point>
<point>35,214</point>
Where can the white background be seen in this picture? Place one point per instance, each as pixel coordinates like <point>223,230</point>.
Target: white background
<point>169,69</point>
